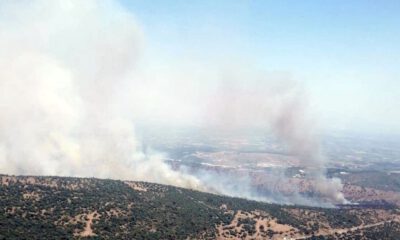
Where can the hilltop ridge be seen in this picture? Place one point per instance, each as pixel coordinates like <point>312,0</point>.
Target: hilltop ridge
<point>79,208</point>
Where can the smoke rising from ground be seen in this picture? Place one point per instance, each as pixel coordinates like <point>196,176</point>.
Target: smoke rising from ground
<point>291,125</point>
<point>69,96</point>
<point>277,103</point>
<point>63,69</point>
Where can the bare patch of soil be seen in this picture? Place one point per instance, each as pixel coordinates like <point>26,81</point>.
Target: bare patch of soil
<point>136,186</point>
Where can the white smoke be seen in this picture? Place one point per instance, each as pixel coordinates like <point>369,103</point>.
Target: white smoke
<point>63,72</point>
<point>291,124</point>
<point>68,100</point>
<point>277,103</point>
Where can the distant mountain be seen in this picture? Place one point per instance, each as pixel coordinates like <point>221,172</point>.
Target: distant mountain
<point>79,208</point>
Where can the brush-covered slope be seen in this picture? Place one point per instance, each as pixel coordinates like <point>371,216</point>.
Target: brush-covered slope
<point>73,208</point>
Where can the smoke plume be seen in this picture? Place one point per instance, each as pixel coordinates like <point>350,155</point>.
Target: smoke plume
<point>63,72</point>
<point>291,125</point>
<point>70,93</point>
<point>277,104</point>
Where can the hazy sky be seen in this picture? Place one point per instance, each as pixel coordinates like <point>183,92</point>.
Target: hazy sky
<point>346,54</point>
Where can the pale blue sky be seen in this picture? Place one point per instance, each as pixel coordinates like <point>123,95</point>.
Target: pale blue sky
<point>347,53</point>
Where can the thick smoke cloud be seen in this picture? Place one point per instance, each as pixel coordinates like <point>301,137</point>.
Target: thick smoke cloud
<point>70,93</point>
<point>63,69</point>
